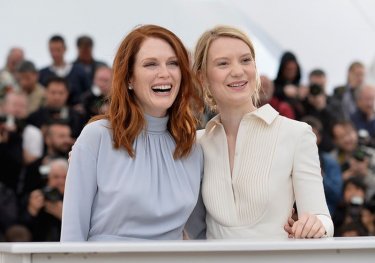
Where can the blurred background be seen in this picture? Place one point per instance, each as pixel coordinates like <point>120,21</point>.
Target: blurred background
<point>326,34</point>
<point>316,60</point>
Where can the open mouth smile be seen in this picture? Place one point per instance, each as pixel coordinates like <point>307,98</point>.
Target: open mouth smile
<point>162,89</point>
<point>237,84</point>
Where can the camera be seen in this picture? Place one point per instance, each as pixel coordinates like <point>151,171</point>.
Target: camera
<point>8,121</point>
<point>53,114</point>
<point>355,208</point>
<point>360,154</point>
<point>364,137</point>
<point>316,89</point>
<point>3,119</point>
<point>52,194</point>
<point>57,114</point>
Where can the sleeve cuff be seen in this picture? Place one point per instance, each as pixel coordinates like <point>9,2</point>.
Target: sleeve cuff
<point>328,225</point>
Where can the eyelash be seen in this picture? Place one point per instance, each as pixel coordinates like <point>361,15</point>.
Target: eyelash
<point>174,63</point>
<point>247,60</point>
<point>152,64</point>
<point>222,63</point>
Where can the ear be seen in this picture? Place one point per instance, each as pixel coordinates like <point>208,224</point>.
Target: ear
<point>130,80</point>
<point>130,86</point>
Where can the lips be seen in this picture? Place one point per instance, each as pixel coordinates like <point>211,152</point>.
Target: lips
<point>162,88</point>
<point>237,84</point>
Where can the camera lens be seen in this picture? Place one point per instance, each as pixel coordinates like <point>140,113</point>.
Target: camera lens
<point>315,89</point>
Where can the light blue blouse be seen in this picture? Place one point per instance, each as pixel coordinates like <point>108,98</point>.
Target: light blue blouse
<point>110,196</point>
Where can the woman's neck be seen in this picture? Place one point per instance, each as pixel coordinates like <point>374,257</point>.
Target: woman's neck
<point>231,117</point>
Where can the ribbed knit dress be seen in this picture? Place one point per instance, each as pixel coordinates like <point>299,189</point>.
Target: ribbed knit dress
<point>276,162</point>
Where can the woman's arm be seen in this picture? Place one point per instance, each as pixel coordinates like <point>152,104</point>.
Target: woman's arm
<point>196,224</point>
<point>80,187</point>
<point>314,218</point>
<point>195,227</point>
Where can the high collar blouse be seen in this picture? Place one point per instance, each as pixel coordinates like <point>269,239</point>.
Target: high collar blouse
<point>110,196</point>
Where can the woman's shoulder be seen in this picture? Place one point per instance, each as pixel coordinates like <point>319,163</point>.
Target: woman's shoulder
<point>293,128</point>
<point>96,128</point>
<point>200,133</point>
<point>102,124</point>
<point>294,124</point>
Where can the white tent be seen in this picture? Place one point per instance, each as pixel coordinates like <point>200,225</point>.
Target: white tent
<point>328,34</point>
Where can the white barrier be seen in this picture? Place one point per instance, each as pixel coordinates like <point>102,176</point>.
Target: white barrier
<point>341,250</point>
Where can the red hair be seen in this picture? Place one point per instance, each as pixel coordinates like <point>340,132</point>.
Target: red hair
<point>126,117</point>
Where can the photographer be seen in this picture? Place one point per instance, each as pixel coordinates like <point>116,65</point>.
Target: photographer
<point>11,146</point>
<point>43,211</point>
<point>94,101</point>
<point>58,142</point>
<point>56,108</point>
<point>14,119</point>
<point>351,209</point>
<point>316,105</point>
<point>355,159</point>
<point>331,172</point>
<point>364,116</point>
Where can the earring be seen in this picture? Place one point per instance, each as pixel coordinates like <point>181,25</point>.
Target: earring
<point>130,87</point>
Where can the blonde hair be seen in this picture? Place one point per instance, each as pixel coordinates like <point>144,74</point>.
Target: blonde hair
<point>201,54</point>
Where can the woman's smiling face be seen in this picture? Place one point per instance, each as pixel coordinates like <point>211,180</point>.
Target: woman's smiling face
<point>231,72</point>
<point>156,77</point>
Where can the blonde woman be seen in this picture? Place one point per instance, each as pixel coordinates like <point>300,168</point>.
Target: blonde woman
<point>256,162</point>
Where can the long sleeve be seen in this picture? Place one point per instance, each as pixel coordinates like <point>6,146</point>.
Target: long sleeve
<point>307,180</point>
<point>111,196</point>
<point>196,224</point>
<point>81,187</point>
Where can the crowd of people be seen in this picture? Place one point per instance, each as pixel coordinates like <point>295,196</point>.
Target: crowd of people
<point>43,111</point>
<point>343,123</point>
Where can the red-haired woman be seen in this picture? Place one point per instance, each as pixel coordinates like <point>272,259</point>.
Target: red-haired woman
<point>135,172</point>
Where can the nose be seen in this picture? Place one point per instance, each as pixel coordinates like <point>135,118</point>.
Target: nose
<point>163,72</point>
<point>237,70</point>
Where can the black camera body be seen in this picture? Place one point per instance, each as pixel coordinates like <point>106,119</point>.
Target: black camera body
<point>355,208</point>
<point>52,194</point>
<point>316,89</point>
<point>12,123</point>
<point>360,154</point>
<point>3,119</point>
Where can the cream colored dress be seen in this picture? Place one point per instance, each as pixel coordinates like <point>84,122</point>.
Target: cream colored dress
<point>276,162</point>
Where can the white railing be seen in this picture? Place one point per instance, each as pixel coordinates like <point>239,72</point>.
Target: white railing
<point>341,250</point>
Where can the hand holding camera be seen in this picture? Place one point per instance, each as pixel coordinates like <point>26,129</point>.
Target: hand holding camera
<point>317,97</point>
<point>48,198</point>
<point>36,202</point>
<point>359,164</point>
<point>54,208</point>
